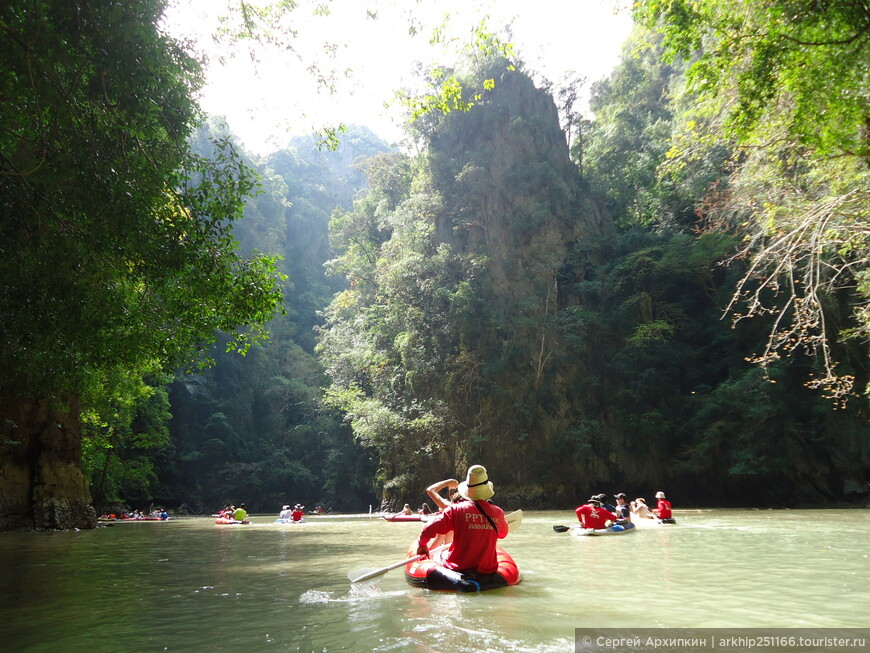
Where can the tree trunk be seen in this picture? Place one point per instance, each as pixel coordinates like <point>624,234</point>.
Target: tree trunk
<point>42,485</point>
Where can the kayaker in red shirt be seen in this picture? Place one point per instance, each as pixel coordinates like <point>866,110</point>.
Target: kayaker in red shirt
<point>476,523</point>
<point>592,515</point>
<point>663,506</point>
<point>298,513</point>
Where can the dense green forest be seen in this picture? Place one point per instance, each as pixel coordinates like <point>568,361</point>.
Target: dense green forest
<point>676,299</point>
<point>569,330</point>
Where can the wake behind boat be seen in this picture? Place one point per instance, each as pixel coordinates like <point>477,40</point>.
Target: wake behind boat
<point>643,524</point>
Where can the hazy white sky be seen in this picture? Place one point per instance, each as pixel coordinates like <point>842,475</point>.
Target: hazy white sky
<point>368,44</point>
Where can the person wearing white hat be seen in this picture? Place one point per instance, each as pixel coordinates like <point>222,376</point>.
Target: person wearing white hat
<point>285,512</point>
<point>640,509</point>
<point>476,523</point>
<point>663,506</point>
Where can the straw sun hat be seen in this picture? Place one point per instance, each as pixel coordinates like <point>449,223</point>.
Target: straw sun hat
<point>477,485</point>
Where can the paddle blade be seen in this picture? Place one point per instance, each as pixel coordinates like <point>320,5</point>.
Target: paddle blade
<point>514,520</point>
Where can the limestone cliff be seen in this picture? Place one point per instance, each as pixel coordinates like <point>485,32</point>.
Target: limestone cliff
<point>516,204</point>
<point>41,482</point>
<point>511,190</point>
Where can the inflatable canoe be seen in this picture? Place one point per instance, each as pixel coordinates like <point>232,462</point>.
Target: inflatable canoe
<point>290,521</point>
<point>616,529</point>
<point>428,573</point>
<point>403,517</point>
<point>653,523</point>
<point>126,520</point>
<point>225,521</point>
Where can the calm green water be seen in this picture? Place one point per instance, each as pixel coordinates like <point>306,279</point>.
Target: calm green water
<point>194,586</point>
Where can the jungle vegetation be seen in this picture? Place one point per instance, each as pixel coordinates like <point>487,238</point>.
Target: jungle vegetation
<point>676,299</point>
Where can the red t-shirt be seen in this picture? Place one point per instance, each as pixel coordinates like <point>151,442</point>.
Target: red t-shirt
<point>474,539</point>
<point>592,517</point>
<point>297,515</point>
<point>663,509</point>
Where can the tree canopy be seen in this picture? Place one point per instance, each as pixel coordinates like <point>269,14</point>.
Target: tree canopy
<point>785,84</point>
<point>116,251</point>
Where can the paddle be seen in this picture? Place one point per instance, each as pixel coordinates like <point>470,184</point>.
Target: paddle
<point>367,573</point>
<point>578,529</point>
<point>514,519</point>
<point>356,576</point>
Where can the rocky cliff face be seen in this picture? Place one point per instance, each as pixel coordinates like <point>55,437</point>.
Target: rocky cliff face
<point>514,188</point>
<point>514,199</point>
<point>41,482</point>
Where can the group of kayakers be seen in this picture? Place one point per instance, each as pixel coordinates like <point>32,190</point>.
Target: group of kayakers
<point>229,511</point>
<point>159,513</point>
<point>472,524</point>
<point>598,512</point>
<point>294,514</point>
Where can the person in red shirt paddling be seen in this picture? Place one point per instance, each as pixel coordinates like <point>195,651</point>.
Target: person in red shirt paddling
<point>592,515</point>
<point>476,523</point>
<point>663,506</point>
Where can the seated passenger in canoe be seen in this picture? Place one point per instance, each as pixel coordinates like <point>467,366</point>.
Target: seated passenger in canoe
<point>476,523</point>
<point>406,510</point>
<point>622,510</point>
<point>298,512</point>
<point>285,512</point>
<point>602,499</point>
<point>240,514</point>
<point>593,515</point>
<point>663,506</point>
<point>434,492</point>
<point>640,509</point>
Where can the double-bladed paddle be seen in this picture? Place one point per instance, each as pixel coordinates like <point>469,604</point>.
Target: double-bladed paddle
<point>579,529</point>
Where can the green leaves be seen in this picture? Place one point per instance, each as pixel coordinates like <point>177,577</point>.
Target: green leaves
<point>784,85</point>
<point>803,67</point>
<point>122,249</point>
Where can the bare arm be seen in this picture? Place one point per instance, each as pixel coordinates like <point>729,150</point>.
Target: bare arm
<point>434,489</point>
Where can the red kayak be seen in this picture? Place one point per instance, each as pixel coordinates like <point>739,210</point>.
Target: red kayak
<point>399,516</point>
<point>229,522</point>
<point>429,573</point>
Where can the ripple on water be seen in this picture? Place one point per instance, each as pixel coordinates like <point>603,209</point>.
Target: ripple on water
<point>315,596</point>
<point>355,593</point>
